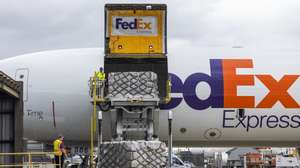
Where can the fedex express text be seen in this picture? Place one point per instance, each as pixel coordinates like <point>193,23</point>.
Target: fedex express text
<point>224,81</point>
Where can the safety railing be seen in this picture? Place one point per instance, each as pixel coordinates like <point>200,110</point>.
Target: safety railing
<point>168,91</point>
<point>97,88</point>
<point>29,160</point>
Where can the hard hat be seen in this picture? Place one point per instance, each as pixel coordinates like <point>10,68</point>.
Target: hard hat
<point>61,136</point>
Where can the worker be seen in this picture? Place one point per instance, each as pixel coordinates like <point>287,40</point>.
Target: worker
<point>101,74</point>
<point>100,84</point>
<point>59,151</point>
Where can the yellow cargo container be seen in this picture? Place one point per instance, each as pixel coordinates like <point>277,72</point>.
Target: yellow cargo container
<point>135,29</point>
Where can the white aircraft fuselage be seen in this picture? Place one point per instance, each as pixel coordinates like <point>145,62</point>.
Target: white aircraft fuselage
<point>208,88</point>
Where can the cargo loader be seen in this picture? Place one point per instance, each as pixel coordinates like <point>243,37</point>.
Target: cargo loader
<point>136,84</point>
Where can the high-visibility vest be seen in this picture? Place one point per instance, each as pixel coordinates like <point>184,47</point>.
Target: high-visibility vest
<point>101,75</point>
<point>56,147</point>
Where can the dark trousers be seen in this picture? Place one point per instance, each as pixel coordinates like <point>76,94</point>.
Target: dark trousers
<point>59,160</point>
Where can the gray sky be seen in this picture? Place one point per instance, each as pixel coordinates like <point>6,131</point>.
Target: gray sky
<point>30,25</point>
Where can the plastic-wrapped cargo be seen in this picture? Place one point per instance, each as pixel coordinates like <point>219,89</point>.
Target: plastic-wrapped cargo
<point>133,154</point>
<point>124,86</point>
<point>140,47</point>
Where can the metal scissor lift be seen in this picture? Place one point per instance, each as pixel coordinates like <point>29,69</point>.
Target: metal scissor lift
<point>134,107</point>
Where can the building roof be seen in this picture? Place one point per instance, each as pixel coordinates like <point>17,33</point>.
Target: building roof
<point>10,86</point>
<point>237,153</point>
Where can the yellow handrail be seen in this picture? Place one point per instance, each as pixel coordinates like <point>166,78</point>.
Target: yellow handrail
<point>96,98</point>
<point>96,83</point>
<point>29,156</point>
<point>94,103</point>
<point>168,93</point>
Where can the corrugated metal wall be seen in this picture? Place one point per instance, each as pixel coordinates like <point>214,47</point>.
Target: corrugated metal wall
<point>6,127</point>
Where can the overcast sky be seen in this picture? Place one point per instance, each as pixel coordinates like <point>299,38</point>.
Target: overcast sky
<point>28,26</point>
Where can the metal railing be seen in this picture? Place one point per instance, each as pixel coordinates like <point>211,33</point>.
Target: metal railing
<point>97,88</point>
<point>30,159</point>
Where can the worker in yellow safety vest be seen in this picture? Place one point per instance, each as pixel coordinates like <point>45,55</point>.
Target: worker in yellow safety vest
<point>101,77</point>
<point>59,151</point>
<point>100,74</point>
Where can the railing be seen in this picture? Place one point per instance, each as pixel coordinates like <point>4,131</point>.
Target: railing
<point>97,88</point>
<point>168,91</point>
<point>30,159</point>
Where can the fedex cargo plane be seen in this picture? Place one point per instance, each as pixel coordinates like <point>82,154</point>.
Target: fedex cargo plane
<point>220,97</point>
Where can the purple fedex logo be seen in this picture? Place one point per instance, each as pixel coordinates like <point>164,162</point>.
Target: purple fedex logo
<point>134,25</point>
<point>137,23</point>
<point>224,82</point>
<point>188,89</point>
